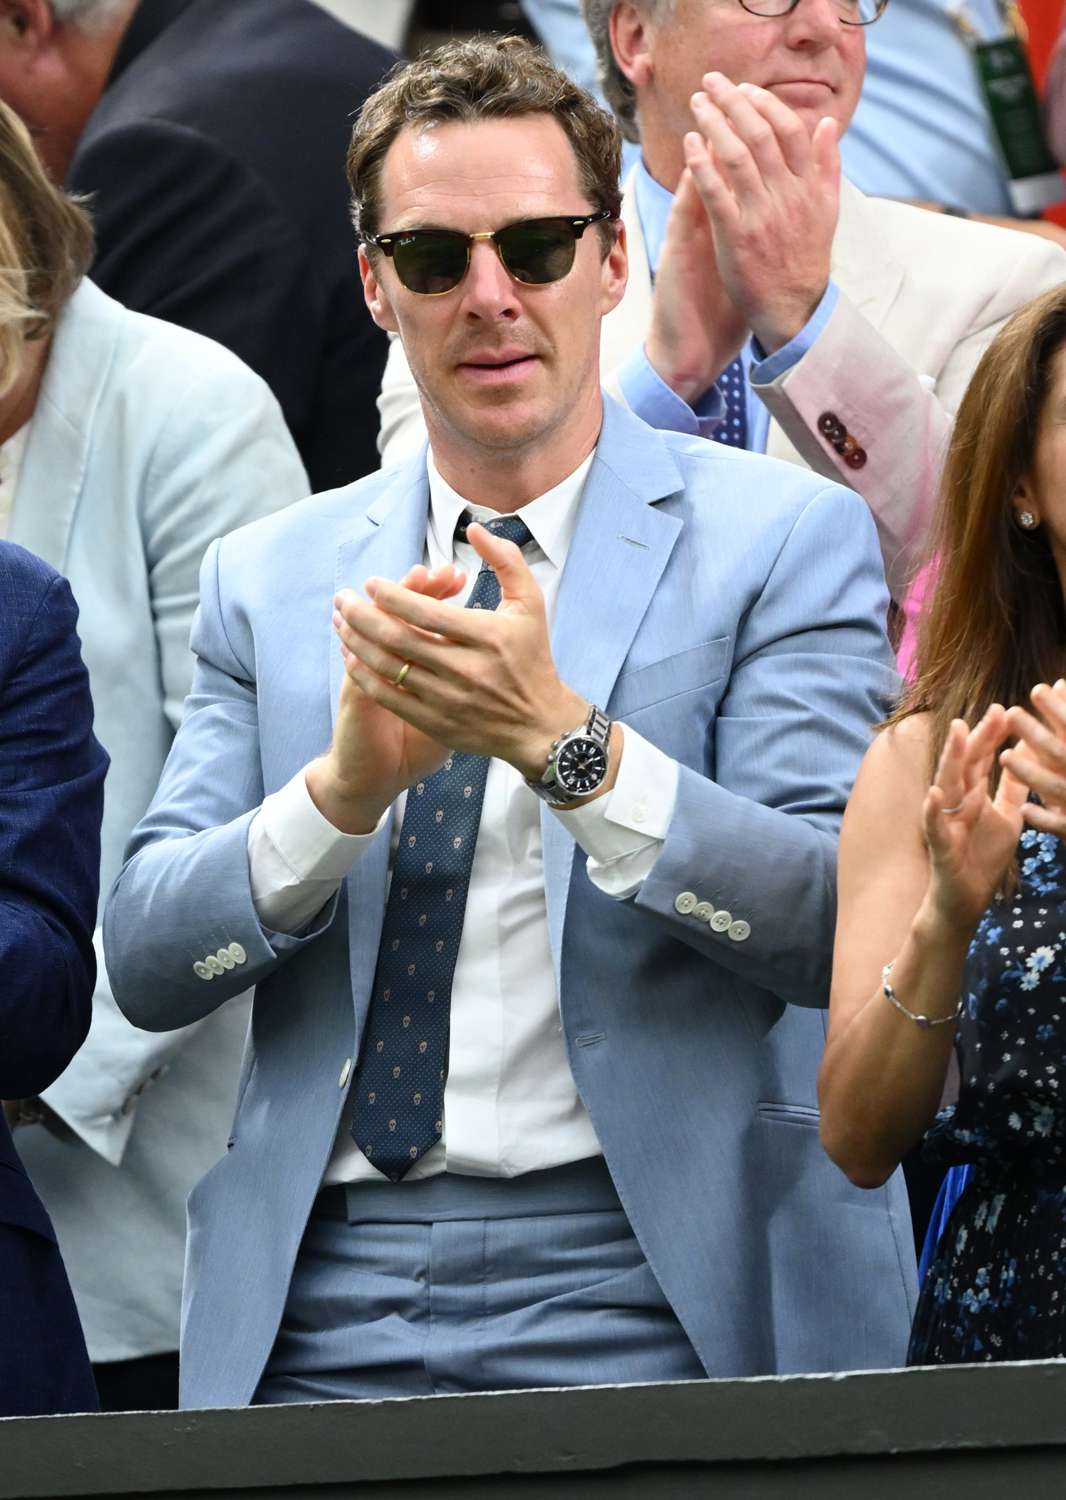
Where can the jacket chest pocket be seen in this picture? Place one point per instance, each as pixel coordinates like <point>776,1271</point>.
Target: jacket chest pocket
<point>696,669</point>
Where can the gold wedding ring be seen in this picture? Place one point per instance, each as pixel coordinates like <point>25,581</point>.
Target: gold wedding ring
<point>401,675</point>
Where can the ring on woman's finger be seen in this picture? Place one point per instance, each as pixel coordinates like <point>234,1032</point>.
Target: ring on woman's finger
<point>401,675</point>
<point>956,809</point>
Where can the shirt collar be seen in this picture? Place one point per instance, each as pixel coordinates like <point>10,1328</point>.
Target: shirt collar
<point>149,19</point>
<point>551,517</point>
<point>653,205</point>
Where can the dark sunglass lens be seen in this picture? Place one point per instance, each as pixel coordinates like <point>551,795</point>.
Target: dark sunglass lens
<point>430,261</point>
<point>537,251</point>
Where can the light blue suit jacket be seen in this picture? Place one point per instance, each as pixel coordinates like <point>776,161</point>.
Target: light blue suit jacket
<point>728,607</point>
<point>147,441</point>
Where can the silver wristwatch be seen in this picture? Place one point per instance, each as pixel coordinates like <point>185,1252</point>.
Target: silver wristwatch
<point>577,763</point>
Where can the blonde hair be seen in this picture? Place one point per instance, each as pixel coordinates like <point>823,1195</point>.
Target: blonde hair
<point>46,246</point>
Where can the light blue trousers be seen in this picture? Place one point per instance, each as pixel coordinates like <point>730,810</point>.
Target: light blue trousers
<point>472,1284</point>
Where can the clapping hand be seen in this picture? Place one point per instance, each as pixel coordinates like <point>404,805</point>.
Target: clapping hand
<point>695,330</point>
<point>374,755</point>
<point>1039,757</point>
<point>971,835</point>
<point>771,190</point>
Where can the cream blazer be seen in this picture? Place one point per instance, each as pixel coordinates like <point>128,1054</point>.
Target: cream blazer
<point>921,297</point>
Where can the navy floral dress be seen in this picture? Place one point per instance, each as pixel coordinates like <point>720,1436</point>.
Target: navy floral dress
<point>996,1287</point>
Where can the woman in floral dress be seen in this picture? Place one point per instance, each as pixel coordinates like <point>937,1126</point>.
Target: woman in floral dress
<point>952,879</point>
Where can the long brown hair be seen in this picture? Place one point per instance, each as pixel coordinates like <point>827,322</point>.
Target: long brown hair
<point>995,623</point>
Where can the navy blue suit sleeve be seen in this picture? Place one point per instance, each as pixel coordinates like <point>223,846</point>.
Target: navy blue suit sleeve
<point>51,803</point>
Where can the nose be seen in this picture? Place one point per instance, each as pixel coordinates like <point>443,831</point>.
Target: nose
<point>488,290</point>
<point>815,22</point>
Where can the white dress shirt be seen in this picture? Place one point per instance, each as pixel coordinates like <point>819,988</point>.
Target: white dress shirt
<point>10,462</point>
<point>510,1102</point>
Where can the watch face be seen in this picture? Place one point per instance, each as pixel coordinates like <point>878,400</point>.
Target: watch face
<point>581,766</point>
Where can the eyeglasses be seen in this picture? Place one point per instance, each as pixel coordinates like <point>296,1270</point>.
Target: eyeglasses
<point>851,12</point>
<point>533,251</point>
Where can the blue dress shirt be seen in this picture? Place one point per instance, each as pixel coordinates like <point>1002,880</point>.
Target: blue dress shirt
<point>645,391</point>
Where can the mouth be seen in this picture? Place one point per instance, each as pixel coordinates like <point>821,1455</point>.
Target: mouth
<point>813,87</point>
<point>497,367</point>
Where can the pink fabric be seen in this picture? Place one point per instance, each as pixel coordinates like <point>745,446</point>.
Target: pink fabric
<point>913,605</point>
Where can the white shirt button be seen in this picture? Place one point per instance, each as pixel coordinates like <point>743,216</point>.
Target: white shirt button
<point>739,930</point>
<point>639,812</point>
<point>237,953</point>
<point>226,958</point>
<point>201,970</point>
<point>685,903</point>
<point>345,1072</point>
<point>213,964</point>
<point>720,921</point>
<point>703,912</point>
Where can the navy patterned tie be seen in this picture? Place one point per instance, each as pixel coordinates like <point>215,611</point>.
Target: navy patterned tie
<point>398,1093</point>
<point>733,428</point>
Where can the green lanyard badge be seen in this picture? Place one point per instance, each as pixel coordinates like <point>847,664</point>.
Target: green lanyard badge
<point>1014,109</point>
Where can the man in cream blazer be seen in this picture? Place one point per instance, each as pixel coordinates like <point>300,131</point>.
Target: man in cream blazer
<point>859,321</point>
<point>147,441</point>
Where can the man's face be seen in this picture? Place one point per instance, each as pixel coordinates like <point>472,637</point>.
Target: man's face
<point>810,59</point>
<point>52,75</point>
<point>501,366</point>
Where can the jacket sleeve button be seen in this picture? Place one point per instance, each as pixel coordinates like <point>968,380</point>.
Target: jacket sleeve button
<point>685,903</point>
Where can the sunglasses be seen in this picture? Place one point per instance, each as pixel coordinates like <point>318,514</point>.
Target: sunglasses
<point>533,251</point>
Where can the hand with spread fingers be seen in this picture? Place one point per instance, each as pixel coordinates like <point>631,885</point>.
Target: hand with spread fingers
<point>971,835</point>
<point>771,190</point>
<point>374,755</point>
<point>1038,759</point>
<point>695,328</point>
<point>482,681</point>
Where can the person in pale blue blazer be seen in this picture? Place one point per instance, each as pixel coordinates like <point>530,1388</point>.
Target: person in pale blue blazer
<point>726,612</point>
<point>143,442</point>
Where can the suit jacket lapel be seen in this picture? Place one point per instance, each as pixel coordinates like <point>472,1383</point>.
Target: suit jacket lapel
<point>617,555</point>
<point>57,453</point>
<point>387,540</point>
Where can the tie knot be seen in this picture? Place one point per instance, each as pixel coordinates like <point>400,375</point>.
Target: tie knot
<point>511,528</point>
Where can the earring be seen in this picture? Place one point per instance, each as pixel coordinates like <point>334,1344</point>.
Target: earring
<point>1026,519</point>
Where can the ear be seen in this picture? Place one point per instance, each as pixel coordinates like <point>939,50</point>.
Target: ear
<point>26,25</point>
<point>375,296</point>
<point>631,42</point>
<point>615,269</point>
<point>1023,499</point>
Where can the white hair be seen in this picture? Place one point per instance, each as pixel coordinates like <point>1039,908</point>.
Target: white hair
<point>617,88</point>
<point>89,15</point>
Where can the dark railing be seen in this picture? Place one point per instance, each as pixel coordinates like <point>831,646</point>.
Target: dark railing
<point>972,1432</point>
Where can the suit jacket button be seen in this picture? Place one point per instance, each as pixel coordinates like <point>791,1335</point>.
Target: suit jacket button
<point>226,958</point>
<point>685,903</point>
<point>828,422</point>
<point>237,953</point>
<point>213,964</point>
<point>739,930</point>
<point>720,921</point>
<point>345,1073</point>
<point>703,912</point>
<point>201,970</point>
<point>857,459</point>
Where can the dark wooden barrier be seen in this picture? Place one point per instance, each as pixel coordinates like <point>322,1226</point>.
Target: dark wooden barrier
<point>974,1432</point>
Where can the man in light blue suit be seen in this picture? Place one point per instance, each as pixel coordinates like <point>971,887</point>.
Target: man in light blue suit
<point>537,894</point>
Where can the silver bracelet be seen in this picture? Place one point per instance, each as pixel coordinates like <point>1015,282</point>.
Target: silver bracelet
<point>912,1015</point>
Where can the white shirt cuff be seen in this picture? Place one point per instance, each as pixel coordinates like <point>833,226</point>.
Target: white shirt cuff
<point>296,858</point>
<point>623,831</point>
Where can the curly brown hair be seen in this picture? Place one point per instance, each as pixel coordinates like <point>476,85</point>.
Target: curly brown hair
<point>485,78</point>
